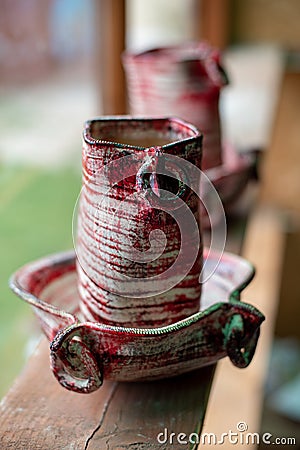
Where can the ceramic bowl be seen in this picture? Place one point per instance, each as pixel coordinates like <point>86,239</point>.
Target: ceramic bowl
<point>85,353</point>
<point>228,181</point>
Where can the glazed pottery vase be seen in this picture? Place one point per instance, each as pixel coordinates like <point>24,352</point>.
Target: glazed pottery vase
<point>184,81</point>
<point>138,243</point>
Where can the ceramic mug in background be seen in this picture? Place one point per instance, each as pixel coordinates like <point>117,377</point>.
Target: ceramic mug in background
<point>184,81</point>
<point>139,249</point>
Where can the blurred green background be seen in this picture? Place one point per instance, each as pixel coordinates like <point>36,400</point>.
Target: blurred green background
<point>36,209</point>
<point>46,93</point>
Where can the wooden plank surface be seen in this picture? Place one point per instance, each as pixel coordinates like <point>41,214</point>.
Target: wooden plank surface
<point>237,395</point>
<point>38,413</point>
<point>281,188</point>
<point>264,246</point>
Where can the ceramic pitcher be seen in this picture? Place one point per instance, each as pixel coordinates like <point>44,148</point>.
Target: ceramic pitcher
<point>139,249</point>
<point>184,81</point>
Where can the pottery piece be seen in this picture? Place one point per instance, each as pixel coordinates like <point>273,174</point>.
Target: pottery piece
<point>138,236</point>
<point>186,80</point>
<point>183,80</point>
<point>229,181</point>
<point>84,353</point>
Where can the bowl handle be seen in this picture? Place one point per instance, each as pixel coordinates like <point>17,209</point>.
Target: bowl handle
<point>240,341</point>
<point>73,363</point>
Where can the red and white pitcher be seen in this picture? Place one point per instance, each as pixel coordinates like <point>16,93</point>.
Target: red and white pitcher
<point>139,245</point>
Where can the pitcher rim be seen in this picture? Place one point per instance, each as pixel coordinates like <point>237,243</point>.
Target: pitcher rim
<point>200,50</point>
<point>88,139</point>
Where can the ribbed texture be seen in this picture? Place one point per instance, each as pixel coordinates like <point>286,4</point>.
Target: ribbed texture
<point>115,222</point>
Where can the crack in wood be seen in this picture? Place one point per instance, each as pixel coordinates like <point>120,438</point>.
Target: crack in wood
<point>105,409</point>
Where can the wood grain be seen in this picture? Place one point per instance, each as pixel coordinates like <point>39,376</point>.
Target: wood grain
<point>39,414</point>
<point>237,395</point>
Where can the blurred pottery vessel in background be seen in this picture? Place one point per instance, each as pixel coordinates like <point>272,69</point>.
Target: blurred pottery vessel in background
<point>184,81</point>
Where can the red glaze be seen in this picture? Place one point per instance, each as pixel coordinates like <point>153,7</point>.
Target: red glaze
<point>119,211</point>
